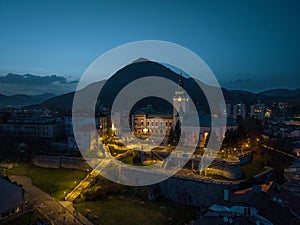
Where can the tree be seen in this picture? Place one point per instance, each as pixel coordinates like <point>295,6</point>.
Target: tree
<point>253,127</point>
<point>171,137</point>
<point>174,135</point>
<point>177,132</point>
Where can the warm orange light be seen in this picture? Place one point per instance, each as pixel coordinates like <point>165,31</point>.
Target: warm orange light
<point>145,130</point>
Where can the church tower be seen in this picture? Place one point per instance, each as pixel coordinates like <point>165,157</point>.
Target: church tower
<point>180,103</point>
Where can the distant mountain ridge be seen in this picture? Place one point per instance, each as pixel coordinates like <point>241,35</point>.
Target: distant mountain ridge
<point>281,92</point>
<point>24,100</point>
<point>141,68</point>
<point>144,68</point>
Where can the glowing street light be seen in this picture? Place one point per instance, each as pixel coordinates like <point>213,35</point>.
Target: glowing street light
<point>145,130</point>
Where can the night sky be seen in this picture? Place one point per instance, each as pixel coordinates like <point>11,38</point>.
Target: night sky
<point>248,45</point>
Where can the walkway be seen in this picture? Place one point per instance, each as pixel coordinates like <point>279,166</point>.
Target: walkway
<point>87,181</point>
<point>59,213</point>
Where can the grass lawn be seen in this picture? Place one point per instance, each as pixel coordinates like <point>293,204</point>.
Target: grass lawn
<point>252,168</point>
<point>28,218</point>
<point>52,181</point>
<point>131,211</point>
<point>157,148</point>
<point>128,160</point>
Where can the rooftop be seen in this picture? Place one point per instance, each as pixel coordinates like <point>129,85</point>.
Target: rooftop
<point>11,194</point>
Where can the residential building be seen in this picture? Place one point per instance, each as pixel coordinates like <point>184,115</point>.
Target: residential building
<point>234,110</point>
<point>295,121</point>
<point>251,206</point>
<point>11,198</point>
<point>258,111</point>
<point>102,124</point>
<point>42,127</point>
<point>87,137</point>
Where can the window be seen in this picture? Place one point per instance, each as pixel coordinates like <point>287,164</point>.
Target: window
<point>247,211</point>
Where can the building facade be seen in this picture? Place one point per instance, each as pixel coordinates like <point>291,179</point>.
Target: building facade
<point>258,111</point>
<point>147,121</point>
<point>154,124</point>
<point>32,127</point>
<point>236,109</point>
<point>12,198</point>
<point>87,137</point>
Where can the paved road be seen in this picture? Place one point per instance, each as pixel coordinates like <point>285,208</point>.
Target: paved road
<point>59,213</point>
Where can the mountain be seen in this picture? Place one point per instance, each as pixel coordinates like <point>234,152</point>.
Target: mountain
<point>138,69</point>
<point>59,102</point>
<point>282,92</point>
<point>145,68</point>
<point>23,100</point>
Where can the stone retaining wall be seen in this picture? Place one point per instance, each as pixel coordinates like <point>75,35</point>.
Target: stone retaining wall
<point>195,192</point>
<point>60,162</point>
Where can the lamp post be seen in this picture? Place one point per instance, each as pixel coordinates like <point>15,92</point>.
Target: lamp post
<point>258,141</point>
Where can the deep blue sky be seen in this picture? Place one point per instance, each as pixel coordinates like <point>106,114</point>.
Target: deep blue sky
<point>248,45</point>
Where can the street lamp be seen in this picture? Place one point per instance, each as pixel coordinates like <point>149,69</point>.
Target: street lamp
<point>257,140</point>
<point>145,130</point>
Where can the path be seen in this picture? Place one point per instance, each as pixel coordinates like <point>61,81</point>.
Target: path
<point>87,181</point>
<point>59,213</point>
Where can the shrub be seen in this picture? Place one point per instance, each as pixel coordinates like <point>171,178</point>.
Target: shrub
<point>94,193</point>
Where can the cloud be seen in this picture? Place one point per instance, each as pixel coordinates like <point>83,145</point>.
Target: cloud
<point>29,79</point>
<point>240,81</point>
<point>12,84</point>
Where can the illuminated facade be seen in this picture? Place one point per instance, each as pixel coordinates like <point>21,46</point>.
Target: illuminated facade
<point>258,111</point>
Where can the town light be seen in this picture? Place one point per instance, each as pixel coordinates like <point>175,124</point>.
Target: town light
<point>145,130</point>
